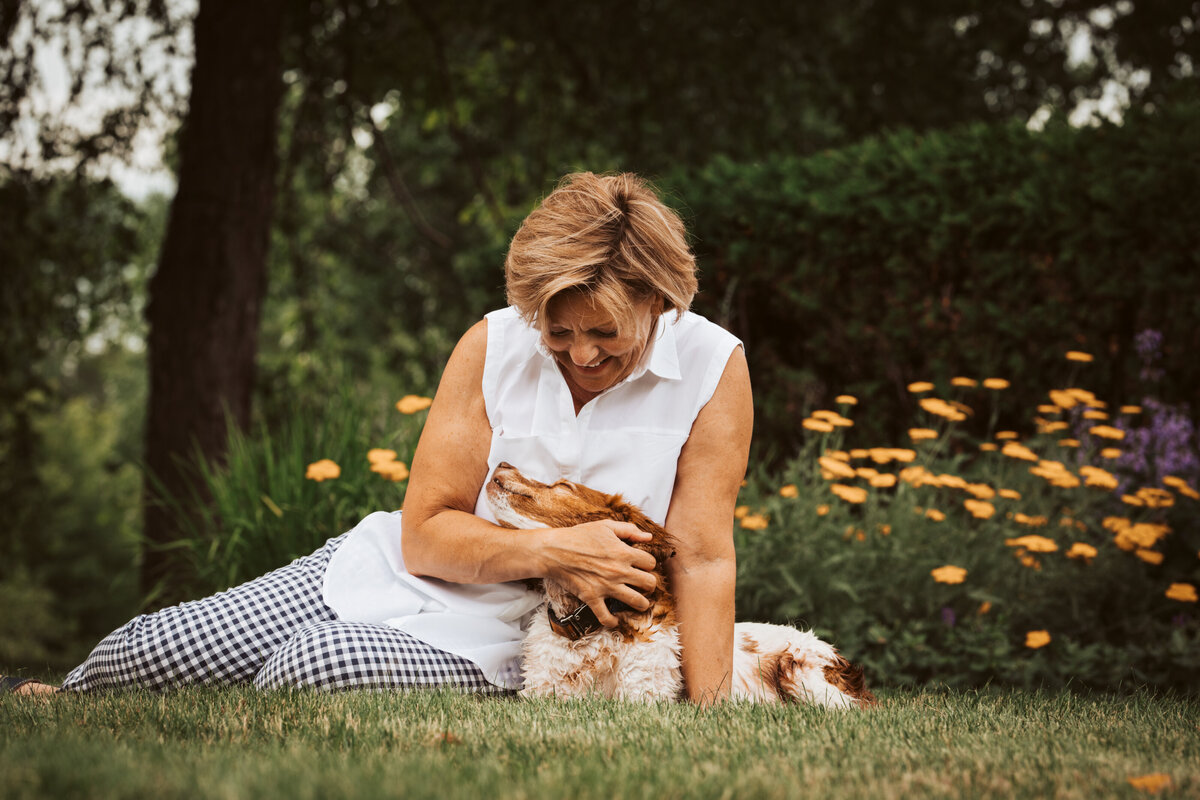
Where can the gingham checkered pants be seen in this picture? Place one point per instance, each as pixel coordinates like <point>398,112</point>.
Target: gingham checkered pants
<point>275,631</point>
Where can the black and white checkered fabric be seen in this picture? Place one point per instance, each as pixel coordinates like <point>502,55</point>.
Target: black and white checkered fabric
<point>275,631</point>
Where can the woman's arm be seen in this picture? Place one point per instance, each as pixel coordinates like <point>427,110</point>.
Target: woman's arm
<point>442,538</point>
<point>704,571</point>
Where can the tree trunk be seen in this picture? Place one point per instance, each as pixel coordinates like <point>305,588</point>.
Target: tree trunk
<point>206,295</point>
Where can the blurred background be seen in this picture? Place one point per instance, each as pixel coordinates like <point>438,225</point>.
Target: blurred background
<point>232,235</point>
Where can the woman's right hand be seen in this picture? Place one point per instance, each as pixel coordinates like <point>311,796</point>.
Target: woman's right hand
<point>593,562</point>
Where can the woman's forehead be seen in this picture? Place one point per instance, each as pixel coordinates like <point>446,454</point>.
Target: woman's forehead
<point>579,308</point>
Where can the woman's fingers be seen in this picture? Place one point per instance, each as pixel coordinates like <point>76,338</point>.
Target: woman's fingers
<point>597,564</point>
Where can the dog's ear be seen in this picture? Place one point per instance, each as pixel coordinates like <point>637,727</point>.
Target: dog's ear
<point>662,546</point>
<point>848,678</point>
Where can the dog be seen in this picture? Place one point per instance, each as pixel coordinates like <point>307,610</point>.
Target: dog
<point>568,653</point>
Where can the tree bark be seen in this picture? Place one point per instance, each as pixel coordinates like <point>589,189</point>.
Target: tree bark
<point>206,295</point>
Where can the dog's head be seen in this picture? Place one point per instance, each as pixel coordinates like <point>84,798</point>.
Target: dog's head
<point>521,502</point>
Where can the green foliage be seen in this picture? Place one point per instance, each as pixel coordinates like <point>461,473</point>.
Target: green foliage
<point>981,251</point>
<point>860,572</point>
<point>264,512</point>
<point>72,394</point>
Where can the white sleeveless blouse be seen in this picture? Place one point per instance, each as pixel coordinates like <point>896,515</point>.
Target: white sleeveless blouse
<point>625,441</point>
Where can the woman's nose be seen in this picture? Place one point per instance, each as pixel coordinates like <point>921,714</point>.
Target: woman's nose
<point>583,352</point>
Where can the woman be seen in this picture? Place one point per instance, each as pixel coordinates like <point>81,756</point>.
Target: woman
<point>596,373</point>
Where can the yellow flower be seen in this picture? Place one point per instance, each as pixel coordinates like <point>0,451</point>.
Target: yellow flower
<point>966,383</point>
<point>1149,556</point>
<point>984,607</point>
<point>392,470</point>
<point>322,470</point>
<point>740,511</point>
<point>1181,486</point>
<point>1131,409</point>
<point>789,491</point>
<point>1110,452</point>
<point>1068,443</point>
<point>840,455</point>
<point>1183,592</point>
<point>822,510</point>
<point>1107,432</point>
<point>1156,498</point>
<point>1047,426</point>
<point>920,386</point>
<point>917,476</point>
<point>980,509</point>
<point>935,515</point>
<point>754,522</point>
<point>1093,414</point>
<point>860,452</point>
<point>989,446</point>
<point>1075,355</point>
<point>1033,522</point>
<point>948,574</point>
<point>379,454</point>
<point>1016,450</point>
<point>921,434</point>
<point>851,494</point>
<point>846,400</point>
<point>1034,544</point>
<point>1036,639</point>
<point>1028,560</point>
<point>1063,399</point>
<point>411,404</point>
<point>819,425</point>
<point>951,481</point>
<point>995,383</point>
<point>1081,551</point>
<point>883,455</point>
<point>980,491</point>
<point>942,409</point>
<point>1085,397</point>
<point>835,468</point>
<point>1095,476</point>
<point>1153,783</point>
<point>1004,435</point>
<point>866,472</point>
<point>1010,494</point>
<point>885,481</point>
<point>885,529</point>
<point>1047,409</point>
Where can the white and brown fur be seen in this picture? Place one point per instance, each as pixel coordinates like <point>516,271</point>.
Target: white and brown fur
<point>639,658</point>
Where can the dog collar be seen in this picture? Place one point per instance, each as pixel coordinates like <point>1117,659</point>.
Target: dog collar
<point>582,621</point>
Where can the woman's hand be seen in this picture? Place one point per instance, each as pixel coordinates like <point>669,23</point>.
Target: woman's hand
<point>593,562</point>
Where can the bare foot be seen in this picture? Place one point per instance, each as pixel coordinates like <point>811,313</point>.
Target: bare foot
<point>35,688</point>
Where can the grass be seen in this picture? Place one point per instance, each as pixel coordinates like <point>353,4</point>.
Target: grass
<point>237,742</point>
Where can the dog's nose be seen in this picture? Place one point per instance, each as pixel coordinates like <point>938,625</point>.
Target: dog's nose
<point>504,465</point>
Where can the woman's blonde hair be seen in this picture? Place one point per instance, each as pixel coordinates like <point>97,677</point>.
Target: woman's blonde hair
<point>608,236</point>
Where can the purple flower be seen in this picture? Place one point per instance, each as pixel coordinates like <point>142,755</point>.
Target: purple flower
<point>1148,344</point>
<point>948,616</point>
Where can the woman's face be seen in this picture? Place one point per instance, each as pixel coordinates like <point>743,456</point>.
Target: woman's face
<point>591,351</point>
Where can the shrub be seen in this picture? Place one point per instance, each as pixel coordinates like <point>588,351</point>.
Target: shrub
<point>907,256</point>
<point>264,512</point>
<point>1044,539</point>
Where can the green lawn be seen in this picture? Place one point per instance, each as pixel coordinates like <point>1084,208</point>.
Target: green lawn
<point>229,743</point>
